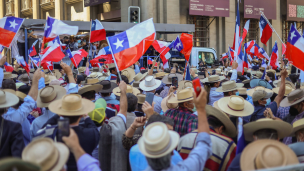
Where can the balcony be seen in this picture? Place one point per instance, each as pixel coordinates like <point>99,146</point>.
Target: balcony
<point>10,8</point>
<point>72,1</point>
<point>27,7</point>
<point>47,4</point>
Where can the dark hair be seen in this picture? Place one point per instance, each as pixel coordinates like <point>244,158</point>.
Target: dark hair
<point>89,95</point>
<point>227,93</point>
<point>256,103</point>
<point>139,107</point>
<point>248,74</point>
<point>160,118</point>
<point>167,70</point>
<point>271,75</point>
<point>266,134</point>
<point>244,96</point>
<point>247,85</point>
<point>132,102</point>
<point>293,77</point>
<point>229,74</point>
<point>112,69</point>
<point>105,94</point>
<point>98,124</point>
<point>208,89</point>
<point>80,78</point>
<point>65,37</point>
<point>124,78</point>
<point>9,84</point>
<point>73,119</point>
<point>214,122</point>
<point>143,71</point>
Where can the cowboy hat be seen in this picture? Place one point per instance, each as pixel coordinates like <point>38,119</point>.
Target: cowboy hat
<point>229,86</point>
<point>165,105</point>
<point>12,163</point>
<point>140,76</point>
<point>95,75</point>
<point>288,89</point>
<point>262,68</point>
<point>283,128</point>
<point>182,96</point>
<point>235,105</point>
<point>135,84</point>
<point>168,78</point>
<point>130,89</point>
<point>71,105</point>
<point>87,88</point>
<point>141,98</point>
<point>7,99</point>
<point>212,79</point>
<point>157,141</point>
<point>149,84</point>
<point>25,78</point>
<point>90,81</point>
<point>246,81</point>
<point>20,95</point>
<point>259,82</point>
<point>48,154</point>
<point>95,69</point>
<point>293,98</point>
<point>251,91</point>
<point>184,84</point>
<point>57,74</point>
<point>277,83</point>
<point>230,129</point>
<point>49,94</point>
<point>271,70</point>
<point>265,153</point>
<point>160,74</point>
<point>242,91</point>
<point>81,69</point>
<point>48,79</point>
<point>297,126</point>
<point>129,73</point>
<point>112,65</point>
<point>108,86</point>
<point>9,75</point>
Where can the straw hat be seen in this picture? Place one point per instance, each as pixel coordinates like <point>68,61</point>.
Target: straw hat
<point>9,75</point>
<point>259,82</point>
<point>129,73</point>
<point>242,91</point>
<point>288,89</point>
<point>20,95</point>
<point>149,84</point>
<point>112,65</point>
<point>165,105</point>
<point>157,141</point>
<point>95,69</point>
<point>25,78</point>
<point>263,154</point>
<point>159,74</point>
<point>140,76</point>
<point>108,86</point>
<point>130,89</point>
<point>218,71</point>
<point>262,68</point>
<point>251,91</point>
<point>230,129</point>
<point>48,79</point>
<point>297,125</point>
<point>7,99</point>
<point>81,69</point>
<point>12,164</point>
<point>184,84</point>
<point>71,105</point>
<point>141,98</point>
<point>254,60</point>
<point>95,75</point>
<point>293,98</point>
<point>57,74</point>
<point>277,83</point>
<point>235,105</point>
<point>91,81</point>
<point>212,79</point>
<point>246,81</point>
<point>229,86</point>
<point>87,88</point>
<point>48,154</point>
<point>182,96</point>
<point>168,78</point>
<point>49,94</point>
<point>283,128</point>
<point>271,70</point>
<point>135,84</point>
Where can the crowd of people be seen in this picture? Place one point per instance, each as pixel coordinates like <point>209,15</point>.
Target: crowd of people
<point>238,121</point>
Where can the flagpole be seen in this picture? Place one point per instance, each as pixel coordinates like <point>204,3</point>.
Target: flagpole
<point>77,66</point>
<point>114,59</point>
<point>33,61</point>
<point>163,51</point>
<point>49,69</point>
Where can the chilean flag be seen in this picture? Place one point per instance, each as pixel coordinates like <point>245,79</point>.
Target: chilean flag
<point>76,56</point>
<point>98,33</point>
<point>131,44</point>
<point>245,31</point>
<point>283,49</point>
<point>231,52</point>
<point>56,40</point>
<point>22,63</point>
<point>263,54</point>
<point>178,45</point>
<point>256,48</point>
<point>249,46</point>
<point>240,61</point>
<point>245,60</point>
<point>187,41</point>
<point>224,55</point>
<point>104,51</point>
<point>8,67</point>
<point>9,26</point>
<point>237,33</point>
<point>52,53</point>
<point>163,48</point>
<point>47,65</point>
<point>265,30</point>
<point>295,48</point>
<point>109,60</point>
<point>32,50</point>
<point>274,57</point>
<point>150,61</point>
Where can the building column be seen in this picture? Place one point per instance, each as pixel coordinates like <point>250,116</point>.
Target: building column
<point>213,32</point>
<point>2,8</point>
<point>277,25</point>
<point>59,9</point>
<point>230,25</point>
<point>36,10</point>
<point>124,9</point>
<point>87,13</point>
<point>17,7</point>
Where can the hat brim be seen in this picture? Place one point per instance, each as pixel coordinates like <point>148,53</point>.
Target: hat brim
<point>166,81</point>
<point>86,107</point>
<point>63,155</point>
<point>113,85</point>
<point>12,76</point>
<point>277,83</point>
<point>26,82</point>
<point>164,105</point>
<point>251,91</point>
<point>174,142</point>
<point>286,103</point>
<point>255,82</point>
<point>131,72</point>
<point>238,85</point>
<point>60,91</point>
<point>295,129</point>
<point>283,128</point>
<point>223,105</point>
<point>87,88</point>
<point>276,90</point>
<point>11,100</point>
<point>117,91</point>
<point>250,153</point>
<point>144,88</point>
<point>205,80</point>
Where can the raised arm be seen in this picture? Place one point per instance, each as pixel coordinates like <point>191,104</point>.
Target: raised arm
<point>281,92</point>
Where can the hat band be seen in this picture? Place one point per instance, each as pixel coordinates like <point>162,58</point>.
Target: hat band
<point>234,109</point>
<point>296,99</point>
<point>57,160</point>
<point>185,98</point>
<point>48,101</point>
<point>161,151</point>
<point>230,88</point>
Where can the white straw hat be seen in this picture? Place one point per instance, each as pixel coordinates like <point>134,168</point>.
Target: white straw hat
<point>149,84</point>
<point>236,106</point>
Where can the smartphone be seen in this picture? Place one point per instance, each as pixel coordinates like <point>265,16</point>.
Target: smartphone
<point>213,72</point>
<point>298,83</point>
<point>63,128</point>
<point>175,82</point>
<point>149,98</point>
<point>197,86</point>
<point>57,66</point>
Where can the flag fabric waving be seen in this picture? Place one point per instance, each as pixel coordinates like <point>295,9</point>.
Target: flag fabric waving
<point>32,50</point>
<point>128,46</point>
<point>163,48</point>
<point>8,67</point>
<point>249,46</point>
<point>104,51</point>
<point>224,55</point>
<point>240,62</point>
<point>274,57</point>
<point>47,65</point>
<point>265,30</point>
<point>237,33</point>
<point>295,48</point>
<point>283,49</point>
<point>9,27</point>
<point>245,31</point>
<point>150,61</point>
<point>52,53</point>
<point>22,63</point>
<point>178,45</point>
<point>263,54</point>
<point>187,41</point>
<point>94,62</point>
<point>76,56</point>
<point>231,52</point>
<point>56,40</point>
<point>98,33</point>
<point>245,60</point>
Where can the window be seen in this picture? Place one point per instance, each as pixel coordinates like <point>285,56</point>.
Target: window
<point>201,34</point>
<point>206,57</point>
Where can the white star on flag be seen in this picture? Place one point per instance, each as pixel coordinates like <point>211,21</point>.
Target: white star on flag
<point>118,43</point>
<point>292,35</point>
<point>262,22</point>
<point>178,44</point>
<point>13,24</point>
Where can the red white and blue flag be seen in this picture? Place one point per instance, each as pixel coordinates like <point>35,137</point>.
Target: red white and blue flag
<point>237,33</point>
<point>265,30</point>
<point>263,54</point>
<point>187,41</point>
<point>224,55</point>
<point>32,50</point>
<point>249,46</point>
<point>295,48</point>
<point>150,61</point>
<point>8,67</point>
<point>104,51</point>
<point>52,53</point>
<point>274,57</point>
<point>128,46</point>
<point>240,61</point>
<point>245,31</point>
<point>47,65</point>
<point>178,45</point>
<point>22,63</point>
<point>245,60</point>
<point>163,48</point>
<point>231,52</point>
<point>76,56</point>
<point>98,33</point>
<point>9,27</point>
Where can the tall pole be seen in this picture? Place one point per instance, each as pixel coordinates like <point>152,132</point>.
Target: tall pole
<point>114,59</point>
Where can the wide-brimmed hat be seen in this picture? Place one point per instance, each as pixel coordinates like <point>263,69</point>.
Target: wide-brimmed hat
<point>49,94</point>
<point>257,74</point>
<point>277,83</point>
<point>165,105</point>
<point>135,84</point>
<point>140,76</point>
<point>283,128</point>
<point>130,89</point>
<point>48,79</point>
<point>266,153</point>
<point>7,99</point>
<point>149,84</point>
<point>271,70</point>
<point>297,125</point>
<point>95,75</point>
<point>71,105</point>
<point>25,78</point>
<point>81,69</point>
<point>90,81</point>
<point>112,65</point>
<point>95,69</point>
<point>213,79</point>
<point>157,141</point>
<point>288,90</point>
<point>229,86</point>
<point>254,60</point>
<point>20,95</point>
<point>108,86</point>
<point>87,88</point>
<point>251,91</point>
<point>9,75</point>
<point>242,91</point>
<point>259,82</point>
<point>57,74</point>
<point>246,81</point>
<point>262,68</point>
<point>129,73</point>
<point>168,78</point>
<point>48,154</point>
<point>141,98</point>
<point>235,105</point>
<point>230,129</point>
<point>184,84</point>
<point>160,74</point>
<point>293,98</point>
<point>182,96</point>
<point>12,164</point>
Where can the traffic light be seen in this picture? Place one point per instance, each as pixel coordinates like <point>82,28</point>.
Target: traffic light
<point>134,14</point>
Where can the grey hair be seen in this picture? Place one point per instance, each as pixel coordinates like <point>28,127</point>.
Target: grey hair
<point>160,163</point>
